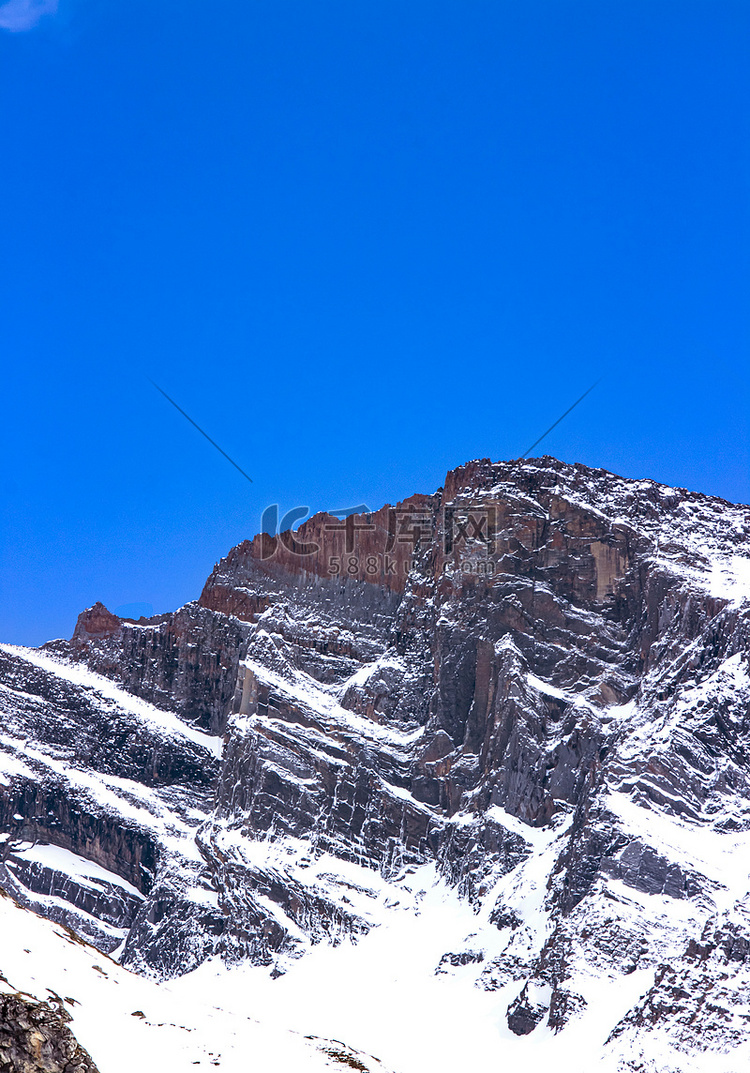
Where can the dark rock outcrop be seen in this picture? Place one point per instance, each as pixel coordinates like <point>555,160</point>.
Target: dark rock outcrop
<point>34,1038</point>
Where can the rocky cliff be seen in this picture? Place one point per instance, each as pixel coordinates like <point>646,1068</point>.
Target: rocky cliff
<point>533,683</point>
<point>34,1038</point>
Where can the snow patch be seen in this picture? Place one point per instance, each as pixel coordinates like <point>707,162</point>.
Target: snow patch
<point>85,872</point>
<point>78,674</point>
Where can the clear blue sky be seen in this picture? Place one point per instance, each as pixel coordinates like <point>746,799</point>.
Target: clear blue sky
<point>359,243</point>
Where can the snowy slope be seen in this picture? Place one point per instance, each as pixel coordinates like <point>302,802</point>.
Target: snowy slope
<point>129,1022</point>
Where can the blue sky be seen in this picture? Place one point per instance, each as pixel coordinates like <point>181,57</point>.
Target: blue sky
<point>359,244</point>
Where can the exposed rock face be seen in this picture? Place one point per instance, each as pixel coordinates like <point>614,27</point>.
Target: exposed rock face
<point>697,1004</point>
<point>115,789</point>
<point>524,1014</point>
<point>184,662</point>
<point>535,680</point>
<point>35,1039</point>
<point>378,548</point>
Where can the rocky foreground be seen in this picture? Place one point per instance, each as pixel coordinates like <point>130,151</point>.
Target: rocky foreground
<point>530,691</point>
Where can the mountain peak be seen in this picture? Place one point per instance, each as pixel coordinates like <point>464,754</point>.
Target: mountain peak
<point>522,696</point>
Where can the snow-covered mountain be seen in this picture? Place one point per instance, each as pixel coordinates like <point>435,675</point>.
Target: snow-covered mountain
<point>461,782</point>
